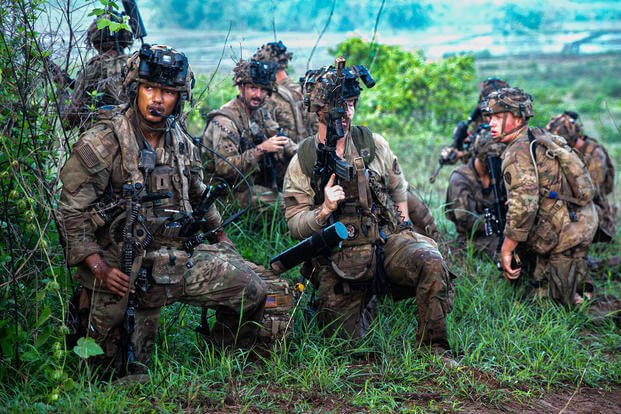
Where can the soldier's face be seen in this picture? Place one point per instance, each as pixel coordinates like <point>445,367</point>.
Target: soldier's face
<point>501,123</point>
<point>254,96</point>
<point>350,111</point>
<point>154,99</point>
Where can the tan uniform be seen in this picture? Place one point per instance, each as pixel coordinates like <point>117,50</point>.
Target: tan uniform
<point>557,244</point>
<point>104,159</point>
<point>595,159</point>
<point>98,84</point>
<point>286,107</point>
<point>231,132</point>
<point>349,280</point>
<point>466,200</point>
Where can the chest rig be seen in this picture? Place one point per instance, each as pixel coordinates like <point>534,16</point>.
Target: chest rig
<point>357,211</point>
<point>251,132</point>
<point>158,172</point>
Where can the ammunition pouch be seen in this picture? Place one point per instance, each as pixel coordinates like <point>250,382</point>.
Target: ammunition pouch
<point>166,265</point>
<point>544,238</point>
<point>355,263</point>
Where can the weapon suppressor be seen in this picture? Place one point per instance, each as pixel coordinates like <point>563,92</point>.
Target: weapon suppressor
<point>318,243</point>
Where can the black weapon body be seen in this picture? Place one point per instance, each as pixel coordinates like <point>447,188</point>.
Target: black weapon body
<point>267,163</point>
<point>495,220</point>
<point>136,237</point>
<point>135,20</point>
<point>458,142</point>
<point>321,242</point>
<point>328,162</point>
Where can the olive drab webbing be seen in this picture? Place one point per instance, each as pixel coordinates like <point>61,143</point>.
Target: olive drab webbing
<point>277,323</point>
<point>241,141</point>
<point>581,186</point>
<point>363,141</point>
<point>159,179</point>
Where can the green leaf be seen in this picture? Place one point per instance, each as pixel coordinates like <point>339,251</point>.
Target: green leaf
<point>96,12</point>
<point>101,23</point>
<point>44,316</point>
<point>87,347</point>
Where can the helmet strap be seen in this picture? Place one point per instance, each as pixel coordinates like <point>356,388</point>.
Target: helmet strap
<point>504,133</point>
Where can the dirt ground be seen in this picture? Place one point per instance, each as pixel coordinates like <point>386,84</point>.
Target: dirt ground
<point>584,400</point>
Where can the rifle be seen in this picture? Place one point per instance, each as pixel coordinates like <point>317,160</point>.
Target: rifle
<point>495,220</point>
<point>267,162</point>
<point>458,143</point>
<point>328,162</point>
<point>188,225</point>
<point>135,20</point>
<point>321,242</point>
<point>135,240</point>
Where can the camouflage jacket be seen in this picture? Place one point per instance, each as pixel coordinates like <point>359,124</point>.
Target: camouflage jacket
<point>543,223</point>
<point>98,84</point>
<point>105,158</point>
<point>233,133</point>
<point>286,107</point>
<point>300,208</point>
<point>466,200</point>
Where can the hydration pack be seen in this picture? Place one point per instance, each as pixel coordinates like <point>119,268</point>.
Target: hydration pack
<point>575,172</point>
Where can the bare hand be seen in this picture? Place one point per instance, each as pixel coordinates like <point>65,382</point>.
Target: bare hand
<point>508,271</point>
<point>273,144</point>
<point>113,279</point>
<point>332,195</point>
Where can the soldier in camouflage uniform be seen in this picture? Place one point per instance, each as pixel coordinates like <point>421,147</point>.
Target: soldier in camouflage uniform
<point>382,249</point>
<point>469,194</point>
<point>544,215</point>
<point>143,148</point>
<point>99,83</point>
<point>244,133</point>
<point>286,104</point>
<point>475,124</point>
<point>600,168</point>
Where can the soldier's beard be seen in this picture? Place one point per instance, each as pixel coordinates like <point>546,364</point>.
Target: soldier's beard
<point>253,103</point>
<point>146,125</point>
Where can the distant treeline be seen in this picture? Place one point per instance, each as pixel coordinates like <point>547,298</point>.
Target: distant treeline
<point>361,15</point>
<point>291,15</point>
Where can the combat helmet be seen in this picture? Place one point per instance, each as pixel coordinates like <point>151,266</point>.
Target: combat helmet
<point>513,100</point>
<point>566,125</point>
<point>162,66</point>
<point>103,39</point>
<point>320,85</point>
<point>490,85</point>
<point>274,52</point>
<point>257,73</point>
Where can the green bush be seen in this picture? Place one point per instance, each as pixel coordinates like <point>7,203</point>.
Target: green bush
<point>410,91</point>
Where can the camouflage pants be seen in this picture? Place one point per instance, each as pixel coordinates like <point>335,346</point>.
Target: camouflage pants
<point>563,274</point>
<point>220,279</point>
<point>413,267</point>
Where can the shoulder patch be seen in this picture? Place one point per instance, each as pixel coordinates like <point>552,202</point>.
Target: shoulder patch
<point>96,146</point>
<point>87,155</point>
